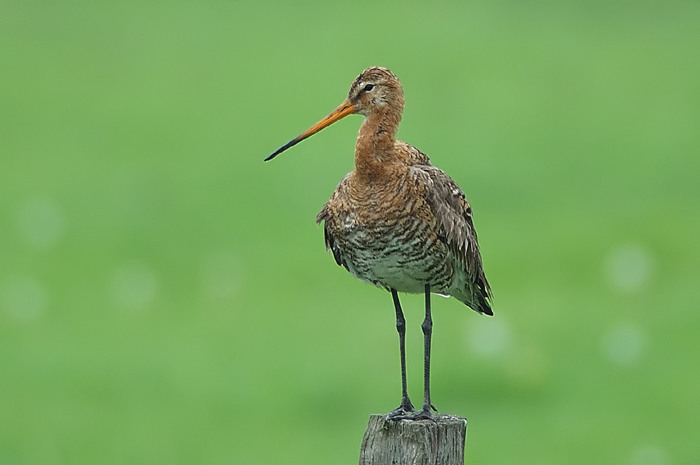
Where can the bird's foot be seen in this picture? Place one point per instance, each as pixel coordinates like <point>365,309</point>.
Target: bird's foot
<point>423,414</point>
<point>401,411</point>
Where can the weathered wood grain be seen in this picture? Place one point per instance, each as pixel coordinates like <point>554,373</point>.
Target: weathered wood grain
<point>406,442</point>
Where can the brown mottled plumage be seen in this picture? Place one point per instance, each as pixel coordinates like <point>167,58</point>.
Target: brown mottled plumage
<point>398,222</point>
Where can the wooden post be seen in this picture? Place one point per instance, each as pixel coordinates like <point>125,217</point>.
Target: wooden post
<point>406,442</point>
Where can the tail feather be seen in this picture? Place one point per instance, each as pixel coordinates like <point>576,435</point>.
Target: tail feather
<point>479,301</point>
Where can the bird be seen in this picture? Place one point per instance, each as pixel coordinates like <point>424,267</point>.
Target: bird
<point>398,222</point>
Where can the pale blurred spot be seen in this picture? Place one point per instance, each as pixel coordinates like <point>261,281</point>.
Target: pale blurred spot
<point>134,286</point>
<point>649,454</point>
<point>624,343</point>
<point>23,297</point>
<point>488,336</point>
<point>629,267</point>
<point>40,223</point>
<point>528,367</point>
<point>221,276</point>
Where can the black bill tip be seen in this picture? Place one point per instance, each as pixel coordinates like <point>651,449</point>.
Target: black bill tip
<point>283,148</point>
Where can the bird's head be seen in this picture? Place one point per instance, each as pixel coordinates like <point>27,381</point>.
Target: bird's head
<point>375,90</point>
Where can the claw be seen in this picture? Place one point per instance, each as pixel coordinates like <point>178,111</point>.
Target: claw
<point>423,414</point>
<point>401,411</point>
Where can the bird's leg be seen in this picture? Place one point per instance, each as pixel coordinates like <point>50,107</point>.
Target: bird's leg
<point>406,405</point>
<point>426,412</point>
<point>427,327</point>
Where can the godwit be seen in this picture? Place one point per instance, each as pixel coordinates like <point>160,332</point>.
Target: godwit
<point>398,222</point>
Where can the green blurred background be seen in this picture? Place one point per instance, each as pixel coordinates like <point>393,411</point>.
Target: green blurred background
<point>165,296</point>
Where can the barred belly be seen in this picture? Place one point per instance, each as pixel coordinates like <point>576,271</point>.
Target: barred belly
<point>404,257</point>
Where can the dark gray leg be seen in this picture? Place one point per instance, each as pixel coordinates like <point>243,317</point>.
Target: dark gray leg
<point>427,327</point>
<point>406,405</point>
<point>426,412</point>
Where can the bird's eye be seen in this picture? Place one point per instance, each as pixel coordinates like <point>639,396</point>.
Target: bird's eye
<point>368,87</point>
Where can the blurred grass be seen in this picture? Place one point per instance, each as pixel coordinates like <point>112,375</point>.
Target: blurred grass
<point>165,296</point>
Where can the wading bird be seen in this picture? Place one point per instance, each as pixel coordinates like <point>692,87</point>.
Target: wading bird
<point>398,222</point>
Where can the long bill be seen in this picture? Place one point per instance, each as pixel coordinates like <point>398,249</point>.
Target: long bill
<point>342,111</point>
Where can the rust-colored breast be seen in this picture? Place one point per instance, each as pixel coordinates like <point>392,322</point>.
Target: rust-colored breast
<point>409,227</point>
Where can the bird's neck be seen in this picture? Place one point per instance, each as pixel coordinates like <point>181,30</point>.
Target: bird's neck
<point>375,146</point>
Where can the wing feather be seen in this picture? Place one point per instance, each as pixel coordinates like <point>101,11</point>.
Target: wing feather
<point>454,216</point>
